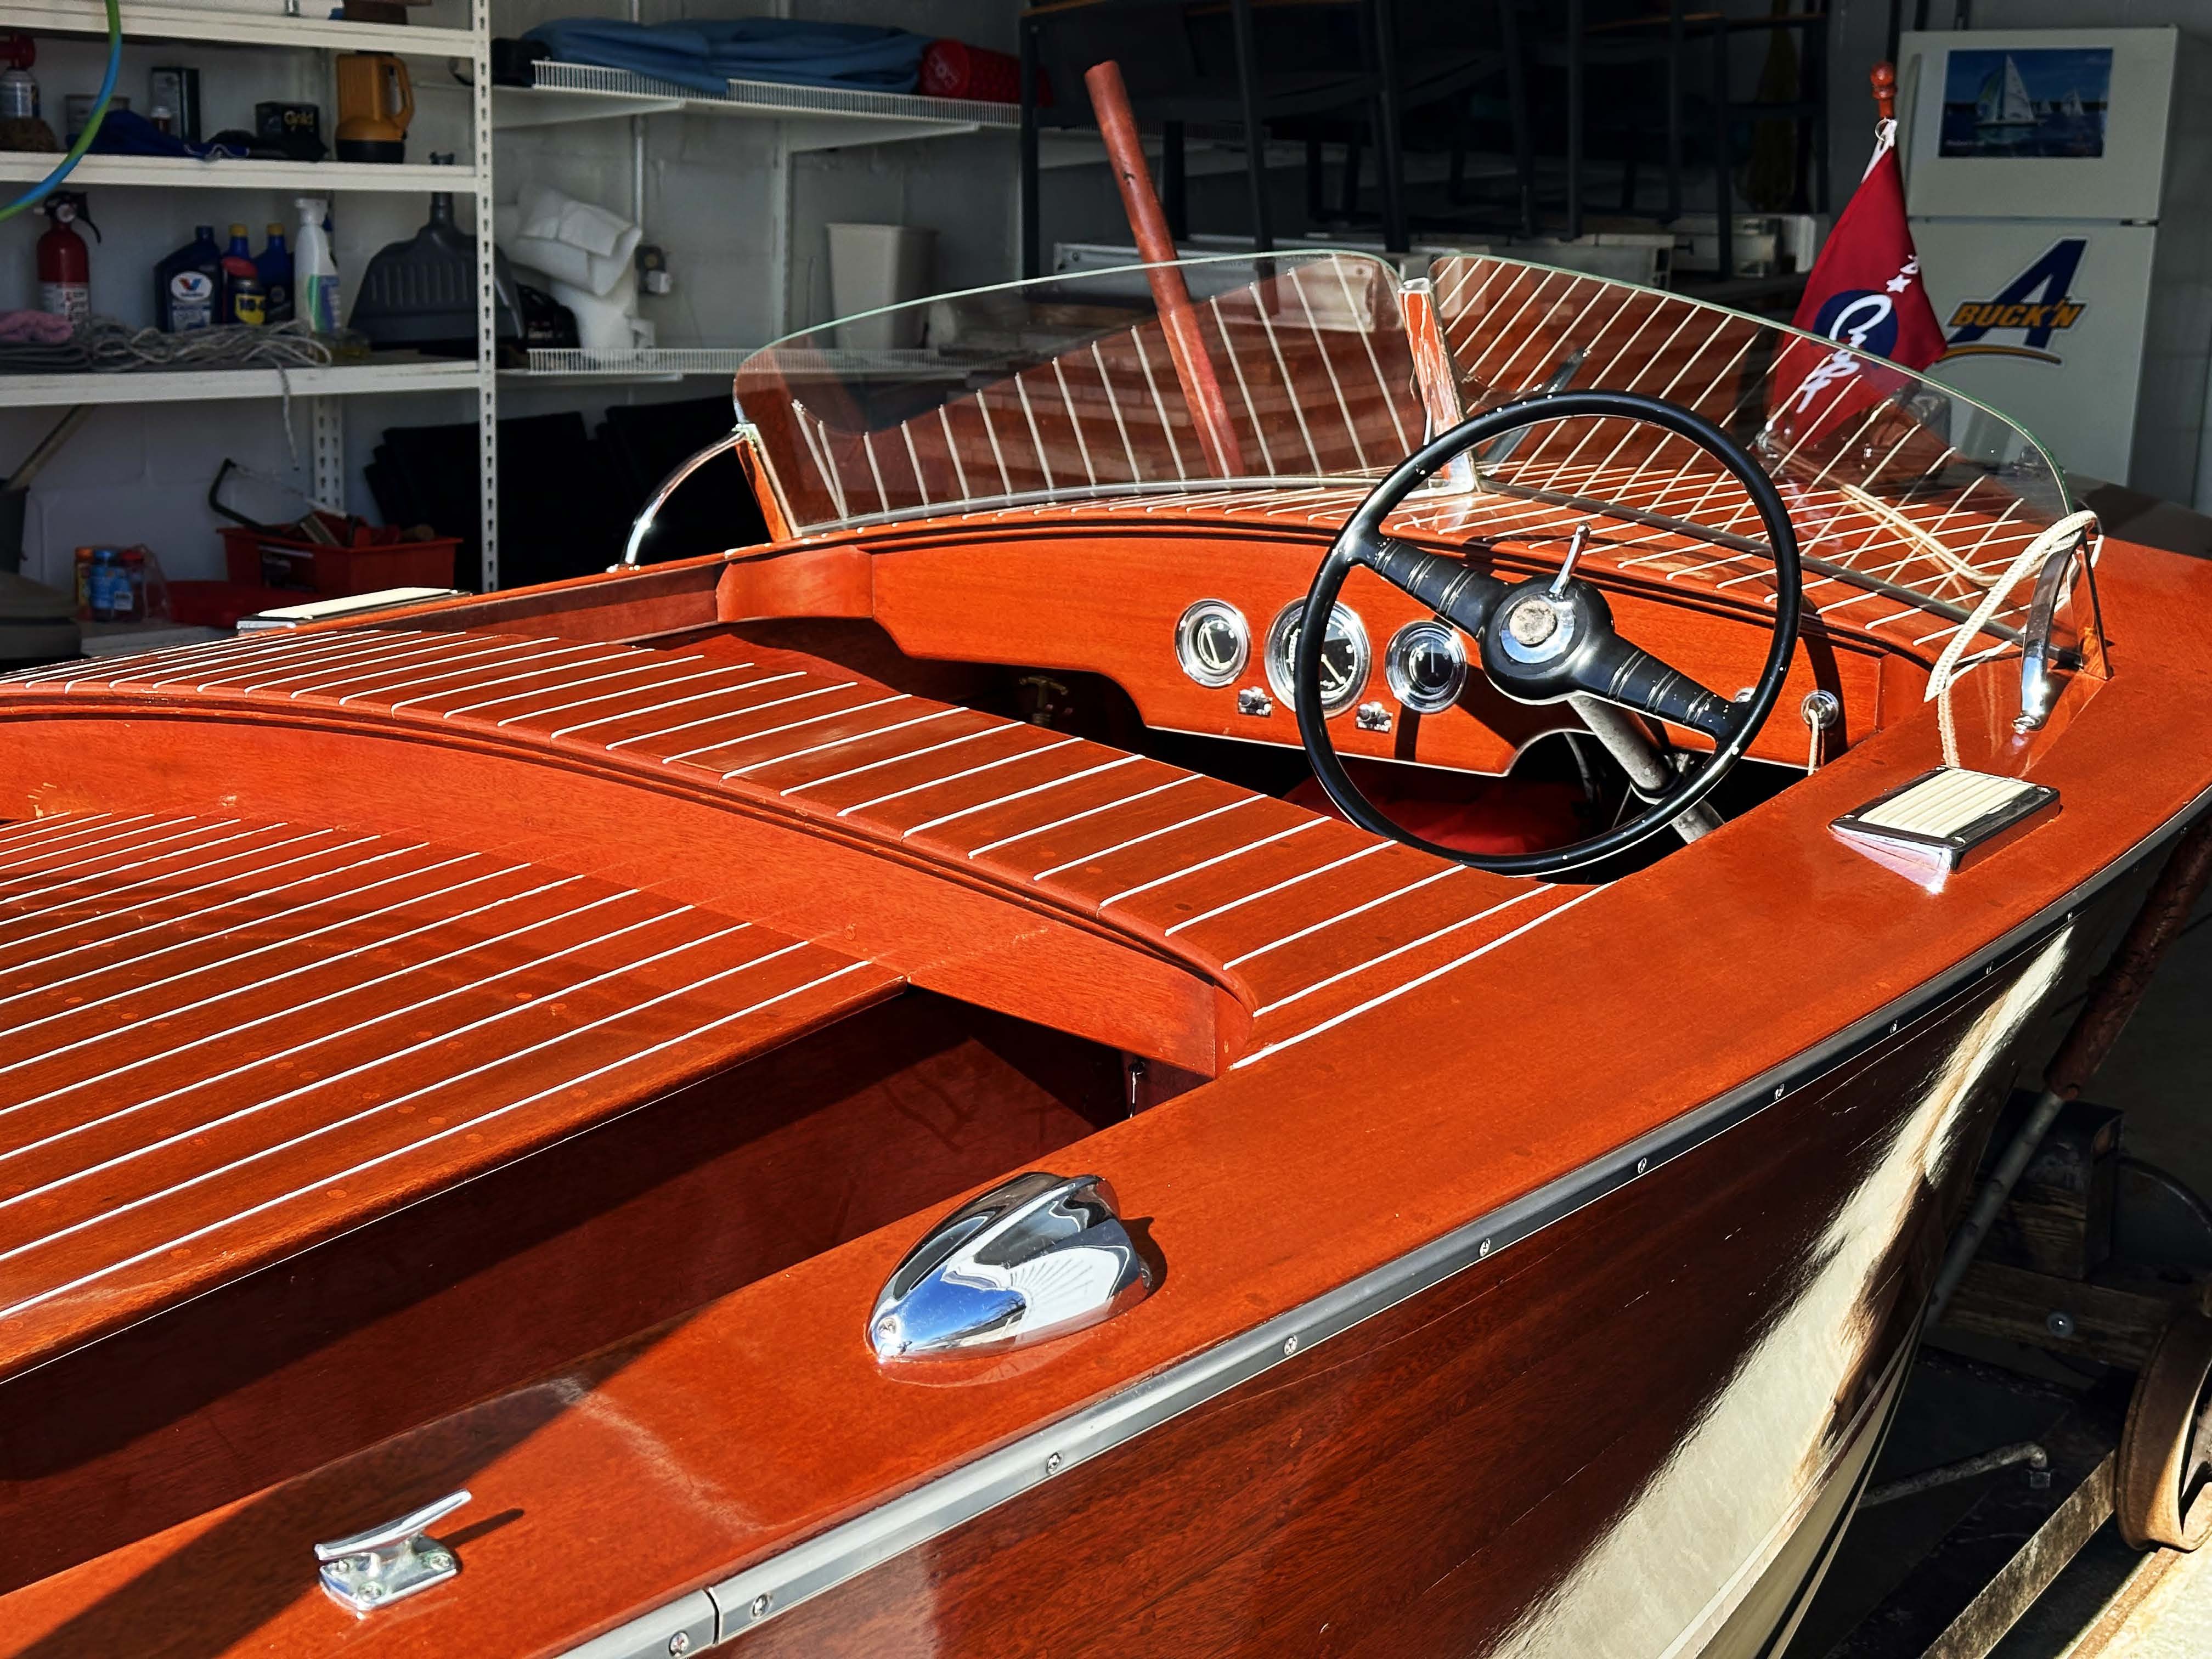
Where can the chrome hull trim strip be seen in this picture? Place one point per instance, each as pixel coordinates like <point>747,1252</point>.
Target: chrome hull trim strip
<point>822,1563</point>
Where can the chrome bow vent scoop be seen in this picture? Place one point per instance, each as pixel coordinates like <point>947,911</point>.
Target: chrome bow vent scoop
<point>1036,1257</point>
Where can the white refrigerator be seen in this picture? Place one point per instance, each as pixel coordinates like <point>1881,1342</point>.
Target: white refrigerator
<point>2057,183</point>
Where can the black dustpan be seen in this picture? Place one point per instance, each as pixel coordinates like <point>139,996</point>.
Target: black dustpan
<point>423,293</point>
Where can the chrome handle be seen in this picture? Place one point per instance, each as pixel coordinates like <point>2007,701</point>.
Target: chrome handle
<point>1037,1257</point>
<point>669,485</point>
<point>372,1569</point>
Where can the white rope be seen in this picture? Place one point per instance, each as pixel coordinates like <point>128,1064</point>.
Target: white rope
<point>1948,667</point>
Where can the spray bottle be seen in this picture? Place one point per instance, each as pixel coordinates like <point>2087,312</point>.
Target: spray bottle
<point>315,298</point>
<point>64,262</point>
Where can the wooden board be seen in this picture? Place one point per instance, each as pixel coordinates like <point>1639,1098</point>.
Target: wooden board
<point>226,1040</point>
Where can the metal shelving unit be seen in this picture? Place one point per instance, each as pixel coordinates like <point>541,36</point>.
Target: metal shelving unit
<point>813,117</point>
<point>265,25</point>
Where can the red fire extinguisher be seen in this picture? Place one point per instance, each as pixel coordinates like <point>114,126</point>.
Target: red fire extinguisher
<point>64,262</point>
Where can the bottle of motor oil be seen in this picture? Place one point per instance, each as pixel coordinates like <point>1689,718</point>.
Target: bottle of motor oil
<point>315,296</point>
<point>275,263</point>
<point>188,285</point>
<point>244,298</point>
<point>64,262</point>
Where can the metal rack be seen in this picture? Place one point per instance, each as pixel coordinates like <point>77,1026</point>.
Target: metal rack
<point>266,25</point>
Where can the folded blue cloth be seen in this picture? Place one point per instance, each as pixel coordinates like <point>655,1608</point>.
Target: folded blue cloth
<point>707,54</point>
<point>126,132</point>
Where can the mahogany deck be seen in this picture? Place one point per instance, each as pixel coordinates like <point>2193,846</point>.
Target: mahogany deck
<point>1221,879</point>
<point>226,1040</point>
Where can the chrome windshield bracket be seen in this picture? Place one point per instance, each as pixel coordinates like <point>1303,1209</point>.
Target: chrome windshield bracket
<point>2041,660</point>
<point>1436,378</point>
<point>375,1568</point>
<point>1039,1256</point>
<point>643,524</point>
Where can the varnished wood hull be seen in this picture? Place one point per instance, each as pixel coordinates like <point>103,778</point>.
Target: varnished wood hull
<point>1637,1432</point>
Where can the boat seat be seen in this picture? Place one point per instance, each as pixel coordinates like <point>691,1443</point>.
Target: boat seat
<point>223,1042</point>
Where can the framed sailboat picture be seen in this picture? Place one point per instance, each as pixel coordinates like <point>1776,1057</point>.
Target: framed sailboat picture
<point>2026,101</point>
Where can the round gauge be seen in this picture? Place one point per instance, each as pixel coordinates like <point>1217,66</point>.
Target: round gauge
<point>1426,666</point>
<point>1344,657</point>
<point>1213,643</point>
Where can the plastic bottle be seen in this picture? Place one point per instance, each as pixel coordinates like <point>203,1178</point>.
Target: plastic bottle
<point>244,298</point>
<point>64,262</point>
<point>188,285</point>
<point>19,88</point>
<point>275,263</point>
<point>315,297</point>
<point>107,577</point>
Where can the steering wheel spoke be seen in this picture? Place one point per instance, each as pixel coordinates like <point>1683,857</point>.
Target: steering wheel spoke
<point>1454,589</point>
<point>1629,675</point>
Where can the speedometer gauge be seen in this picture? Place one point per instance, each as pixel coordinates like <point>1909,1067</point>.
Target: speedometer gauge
<point>1344,657</point>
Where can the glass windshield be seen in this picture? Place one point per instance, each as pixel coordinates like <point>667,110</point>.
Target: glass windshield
<point>1298,370</point>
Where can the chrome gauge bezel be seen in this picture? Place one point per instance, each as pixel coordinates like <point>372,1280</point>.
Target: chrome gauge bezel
<point>1397,670</point>
<point>1186,636</point>
<point>1280,633</point>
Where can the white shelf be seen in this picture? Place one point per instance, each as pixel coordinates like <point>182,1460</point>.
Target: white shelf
<point>307,177</point>
<point>264,26</point>
<point>172,386</point>
<point>814,118</point>
<point>641,363</point>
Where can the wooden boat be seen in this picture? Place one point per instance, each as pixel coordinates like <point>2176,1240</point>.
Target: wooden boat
<point>528,1046</point>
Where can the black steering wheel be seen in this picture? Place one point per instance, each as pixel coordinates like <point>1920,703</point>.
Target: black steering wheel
<point>1550,637</point>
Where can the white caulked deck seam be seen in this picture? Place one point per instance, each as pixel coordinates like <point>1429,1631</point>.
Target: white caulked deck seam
<point>1291,881</point>
<point>954,777</point>
<point>263,1105</point>
<point>527,674</point>
<point>1022,794</point>
<point>223,655</point>
<point>1362,909</point>
<point>677,702</point>
<point>50,673</point>
<point>834,743</point>
<point>534,651</point>
<point>1314,823</point>
<point>1076,817</point>
<point>893,760</point>
<point>316,1041</point>
<point>630,1059</point>
<point>375,657</point>
<point>7,944</point>
<point>138,857</point>
<point>743,738</point>
<point>24,832</point>
<point>627,691</point>
<point>1149,835</point>
<point>30,869</point>
<point>1395,951</point>
<point>635,663</point>
<point>1413,984</point>
<point>291,659</point>
<point>741,710</point>
<point>344,893</point>
<point>228,992</point>
<point>401,664</point>
<point>47,845</point>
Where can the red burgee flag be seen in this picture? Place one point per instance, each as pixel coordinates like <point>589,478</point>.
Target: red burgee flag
<point>1864,293</point>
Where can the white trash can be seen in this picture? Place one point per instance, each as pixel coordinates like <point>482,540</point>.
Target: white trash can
<point>872,266</point>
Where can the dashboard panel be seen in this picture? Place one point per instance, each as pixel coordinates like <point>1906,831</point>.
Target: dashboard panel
<point>1198,625</point>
